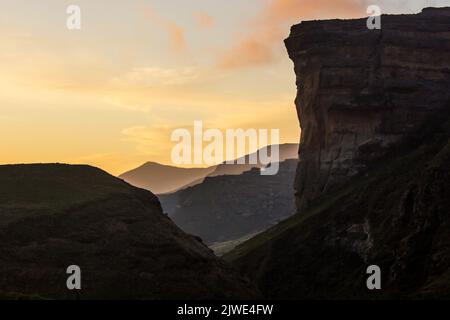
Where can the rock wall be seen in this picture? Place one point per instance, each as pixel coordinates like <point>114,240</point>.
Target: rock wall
<point>361,90</point>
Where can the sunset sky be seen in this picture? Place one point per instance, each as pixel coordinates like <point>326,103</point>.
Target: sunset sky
<point>111,93</point>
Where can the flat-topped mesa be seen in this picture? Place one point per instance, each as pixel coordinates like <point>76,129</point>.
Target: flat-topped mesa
<point>361,90</point>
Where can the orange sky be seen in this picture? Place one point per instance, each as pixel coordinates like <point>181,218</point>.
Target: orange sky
<point>111,93</point>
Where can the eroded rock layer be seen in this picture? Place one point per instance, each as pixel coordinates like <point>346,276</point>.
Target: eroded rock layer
<point>361,90</point>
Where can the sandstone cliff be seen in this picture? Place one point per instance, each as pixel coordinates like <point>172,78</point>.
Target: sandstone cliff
<point>374,178</point>
<point>361,90</point>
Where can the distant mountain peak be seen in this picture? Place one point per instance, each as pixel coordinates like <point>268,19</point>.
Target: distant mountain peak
<point>162,179</point>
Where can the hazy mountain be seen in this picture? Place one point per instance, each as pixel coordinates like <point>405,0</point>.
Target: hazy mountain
<point>224,208</point>
<point>286,151</point>
<point>54,216</point>
<point>161,179</point>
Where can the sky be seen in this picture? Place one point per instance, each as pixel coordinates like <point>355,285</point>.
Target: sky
<point>111,93</point>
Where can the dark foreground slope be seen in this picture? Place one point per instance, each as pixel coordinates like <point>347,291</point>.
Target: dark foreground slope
<point>53,216</point>
<point>396,216</point>
<point>228,207</point>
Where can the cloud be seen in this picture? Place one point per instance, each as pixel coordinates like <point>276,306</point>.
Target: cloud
<point>152,142</point>
<point>407,6</point>
<point>247,52</point>
<point>174,31</point>
<point>203,20</point>
<point>152,76</point>
<point>176,37</point>
<point>268,29</point>
<point>154,88</point>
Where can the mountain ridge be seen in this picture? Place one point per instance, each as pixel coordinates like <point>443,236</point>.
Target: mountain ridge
<point>166,179</point>
<point>53,216</point>
<point>228,207</point>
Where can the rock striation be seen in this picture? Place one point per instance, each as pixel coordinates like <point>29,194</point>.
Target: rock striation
<point>360,91</point>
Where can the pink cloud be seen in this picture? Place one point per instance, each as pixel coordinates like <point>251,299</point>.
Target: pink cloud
<point>247,52</point>
<point>174,32</point>
<point>271,26</point>
<point>203,20</point>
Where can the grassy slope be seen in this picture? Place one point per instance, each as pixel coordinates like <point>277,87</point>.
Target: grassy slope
<point>51,188</point>
<point>52,216</point>
<point>49,185</point>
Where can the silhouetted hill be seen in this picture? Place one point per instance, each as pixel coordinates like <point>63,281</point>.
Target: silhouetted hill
<point>228,207</point>
<point>286,151</point>
<point>53,216</point>
<point>162,179</point>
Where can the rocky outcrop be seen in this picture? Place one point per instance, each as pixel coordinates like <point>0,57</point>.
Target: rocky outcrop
<point>361,90</point>
<point>396,217</point>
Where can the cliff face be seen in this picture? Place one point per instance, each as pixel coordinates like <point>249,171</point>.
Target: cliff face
<point>396,217</point>
<point>361,90</point>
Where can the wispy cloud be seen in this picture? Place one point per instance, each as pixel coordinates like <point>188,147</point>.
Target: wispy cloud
<point>150,76</point>
<point>246,52</point>
<point>203,20</point>
<point>174,32</point>
<point>258,46</point>
<point>152,141</point>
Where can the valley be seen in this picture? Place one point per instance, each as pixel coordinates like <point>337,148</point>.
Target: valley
<point>229,207</point>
